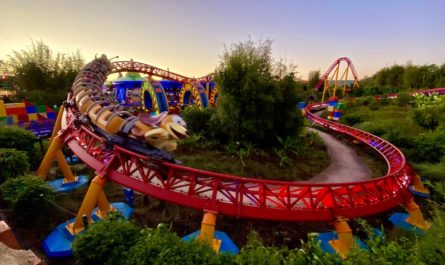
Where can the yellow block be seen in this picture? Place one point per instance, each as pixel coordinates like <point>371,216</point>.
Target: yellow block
<point>20,105</point>
<point>15,119</point>
<point>2,108</point>
<point>33,117</point>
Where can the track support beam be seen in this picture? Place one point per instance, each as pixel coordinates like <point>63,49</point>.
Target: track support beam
<point>55,151</point>
<point>94,196</point>
<point>207,232</point>
<point>345,239</point>
<point>419,187</point>
<point>415,215</point>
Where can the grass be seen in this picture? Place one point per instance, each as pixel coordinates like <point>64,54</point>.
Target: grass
<point>274,164</point>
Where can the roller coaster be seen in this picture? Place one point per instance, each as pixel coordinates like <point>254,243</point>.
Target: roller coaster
<point>126,149</point>
<point>330,85</point>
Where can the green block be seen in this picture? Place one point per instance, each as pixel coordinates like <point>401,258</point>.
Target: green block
<point>340,105</point>
<point>40,108</point>
<point>3,120</point>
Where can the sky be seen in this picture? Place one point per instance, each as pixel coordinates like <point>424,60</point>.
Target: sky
<point>189,37</point>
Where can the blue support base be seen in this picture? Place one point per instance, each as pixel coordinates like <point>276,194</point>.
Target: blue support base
<point>227,244</point>
<point>324,238</point>
<point>418,193</point>
<point>399,221</point>
<point>58,244</point>
<point>59,186</point>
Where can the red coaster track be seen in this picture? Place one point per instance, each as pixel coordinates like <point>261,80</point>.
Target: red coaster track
<point>237,196</point>
<point>333,65</point>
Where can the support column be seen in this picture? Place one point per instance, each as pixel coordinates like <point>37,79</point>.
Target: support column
<point>63,165</point>
<point>48,159</point>
<point>58,124</point>
<point>103,204</point>
<point>94,195</point>
<point>415,215</point>
<point>419,187</point>
<point>345,239</point>
<point>207,232</point>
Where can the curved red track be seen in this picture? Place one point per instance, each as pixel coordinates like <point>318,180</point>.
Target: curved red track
<point>246,197</point>
<point>333,65</point>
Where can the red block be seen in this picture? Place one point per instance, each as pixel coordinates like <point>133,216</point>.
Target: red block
<point>42,116</point>
<point>16,111</point>
<point>23,117</point>
<point>48,109</point>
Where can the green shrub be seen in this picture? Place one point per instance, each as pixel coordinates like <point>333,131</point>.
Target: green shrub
<point>404,99</point>
<point>197,120</point>
<point>430,147</point>
<point>374,105</point>
<point>20,139</point>
<point>351,119</point>
<point>428,118</point>
<point>160,246</point>
<point>430,246</point>
<point>254,252</point>
<point>13,163</point>
<point>432,171</point>
<point>28,196</point>
<point>106,242</point>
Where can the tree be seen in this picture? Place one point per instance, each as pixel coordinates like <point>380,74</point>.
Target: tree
<point>313,78</point>
<point>255,96</point>
<point>42,76</point>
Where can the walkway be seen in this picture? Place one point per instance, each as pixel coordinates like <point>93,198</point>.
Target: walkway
<point>346,165</point>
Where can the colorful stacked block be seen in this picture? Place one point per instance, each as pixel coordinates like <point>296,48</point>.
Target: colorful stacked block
<point>38,119</point>
<point>338,111</point>
<point>33,117</point>
<point>302,106</point>
<point>332,103</point>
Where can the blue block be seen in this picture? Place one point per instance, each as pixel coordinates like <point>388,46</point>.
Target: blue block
<point>51,115</point>
<point>227,244</point>
<point>10,120</point>
<point>30,109</point>
<point>399,221</point>
<point>59,186</point>
<point>337,114</point>
<point>58,244</point>
<point>301,105</point>
<point>324,238</point>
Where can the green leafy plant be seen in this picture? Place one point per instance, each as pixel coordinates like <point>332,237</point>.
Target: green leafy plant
<point>22,140</point>
<point>13,163</point>
<point>29,196</point>
<point>160,246</point>
<point>106,242</point>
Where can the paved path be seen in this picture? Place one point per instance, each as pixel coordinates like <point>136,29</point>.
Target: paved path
<point>346,165</point>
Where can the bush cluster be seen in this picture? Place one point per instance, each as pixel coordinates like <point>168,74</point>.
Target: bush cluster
<point>22,140</point>
<point>13,163</point>
<point>28,196</point>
